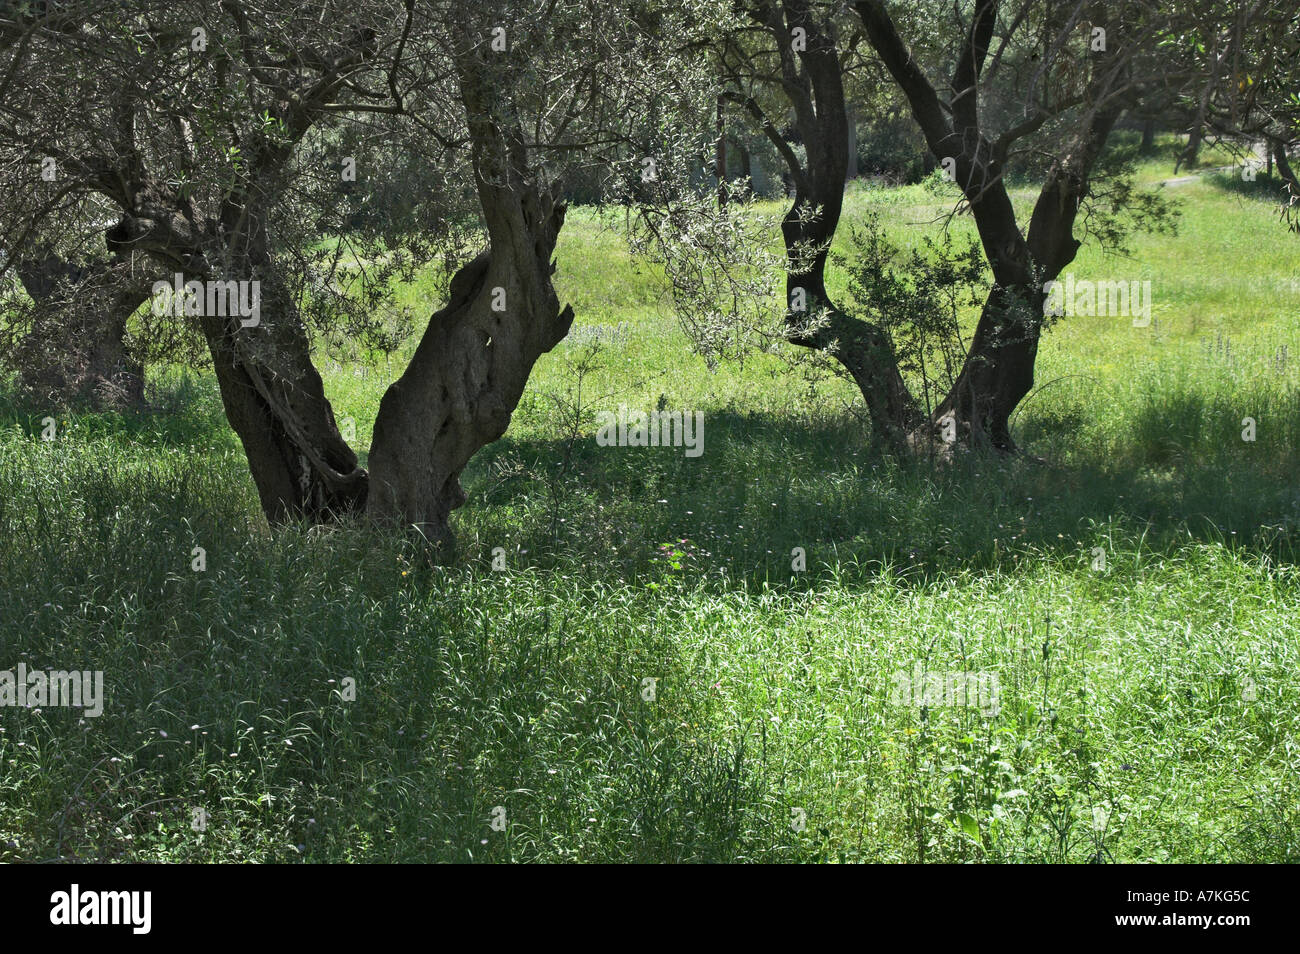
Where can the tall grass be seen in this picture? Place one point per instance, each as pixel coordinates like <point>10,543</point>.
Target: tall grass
<point>1132,585</point>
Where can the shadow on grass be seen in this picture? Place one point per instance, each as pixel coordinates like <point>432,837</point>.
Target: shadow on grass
<point>181,410</point>
<point>764,487</point>
<point>519,691</point>
<point>1175,469</point>
<point>1265,187</point>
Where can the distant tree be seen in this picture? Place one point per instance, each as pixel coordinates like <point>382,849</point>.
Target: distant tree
<point>71,342</point>
<point>781,68</point>
<point>1249,95</point>
<point>1044,77</point>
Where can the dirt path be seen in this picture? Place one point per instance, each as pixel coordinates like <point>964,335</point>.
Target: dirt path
<point>1184,180</point>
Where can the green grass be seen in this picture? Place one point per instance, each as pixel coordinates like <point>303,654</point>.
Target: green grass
<point>1147,709</point>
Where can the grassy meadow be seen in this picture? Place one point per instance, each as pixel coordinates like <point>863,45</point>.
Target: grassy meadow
<point>1131,582</point>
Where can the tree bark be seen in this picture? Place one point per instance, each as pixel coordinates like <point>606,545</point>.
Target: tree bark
<point>1148,136</point>
<point>1191,153</point>
<point>275,400</point>
<point>816,89</point>
<point>472,364</point>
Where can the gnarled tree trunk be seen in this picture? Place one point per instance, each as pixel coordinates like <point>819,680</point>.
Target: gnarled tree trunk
<point>275,401</point>
<point>270,388</point>
<point>471,366</point>
<point>816,91</point>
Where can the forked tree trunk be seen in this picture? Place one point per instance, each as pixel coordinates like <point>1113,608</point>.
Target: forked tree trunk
<point>998,371</point>
<point>462,385</point>
<point>997,374</point>
<point>473,362</point>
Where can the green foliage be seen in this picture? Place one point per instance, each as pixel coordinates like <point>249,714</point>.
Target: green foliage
<point>918,300</point>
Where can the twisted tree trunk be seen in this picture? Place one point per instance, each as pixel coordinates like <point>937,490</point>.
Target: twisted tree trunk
<point>275,399</point>
<point>271,391</point>
<point>815,87</point>
<point>470,368</point>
